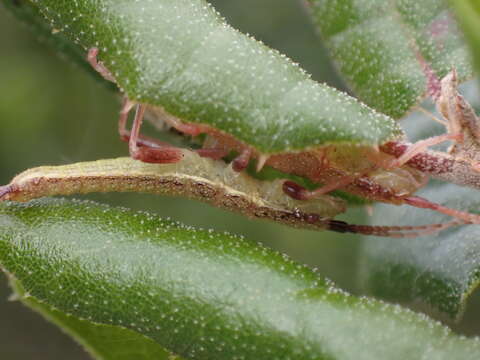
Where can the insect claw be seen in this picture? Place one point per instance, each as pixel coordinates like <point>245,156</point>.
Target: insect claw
<point>98,65</point>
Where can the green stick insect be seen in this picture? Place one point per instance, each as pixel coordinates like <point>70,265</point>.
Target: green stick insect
<point>181,64</point>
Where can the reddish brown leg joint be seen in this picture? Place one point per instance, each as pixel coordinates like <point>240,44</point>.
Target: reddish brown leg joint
<point>241,161</point>
<point>98,66</point>
<point>215,154</point>
<point>294,190</point>
<point>141,148</point>
<point>159,153</point>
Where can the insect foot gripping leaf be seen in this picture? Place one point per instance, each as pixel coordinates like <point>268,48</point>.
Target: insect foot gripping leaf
<point>180,60</point>
<point>201,179</point>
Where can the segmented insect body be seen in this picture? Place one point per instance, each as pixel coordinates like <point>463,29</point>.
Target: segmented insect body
<point>180,59</point>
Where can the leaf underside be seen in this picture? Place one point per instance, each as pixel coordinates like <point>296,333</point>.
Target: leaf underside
<point>182,56</point>
<point>382,48</point>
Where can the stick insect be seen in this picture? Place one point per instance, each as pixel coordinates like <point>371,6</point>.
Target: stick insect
<point>200,80</point>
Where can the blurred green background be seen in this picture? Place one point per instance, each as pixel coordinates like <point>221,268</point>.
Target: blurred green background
<point>52,112</point>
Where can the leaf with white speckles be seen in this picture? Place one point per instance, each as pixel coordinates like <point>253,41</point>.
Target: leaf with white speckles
<point>468,15</point>
<point>202,294</point>
<point>382,47</point>
<point>182,56</point>
<point>103,342</point>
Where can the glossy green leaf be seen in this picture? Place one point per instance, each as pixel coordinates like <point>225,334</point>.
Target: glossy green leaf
<point>104,342</point>
<point>202,294</point>
<point>382,48</point>
<point>182,56</point>
<point>468,15</point>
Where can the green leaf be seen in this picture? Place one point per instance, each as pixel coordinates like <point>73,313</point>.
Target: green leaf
<point>101,341</point>
<point>201,294</point>
<point>468,15</point>
<point>382,47</point>
<point>183,57</point>
<point>439,270</point>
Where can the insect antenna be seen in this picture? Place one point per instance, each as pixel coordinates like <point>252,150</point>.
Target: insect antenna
<point>391,231</point>
<point>432,116</point>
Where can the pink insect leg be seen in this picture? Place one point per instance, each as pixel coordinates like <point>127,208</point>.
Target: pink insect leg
<point>422,203</point>
<point>213,153</point>
<point>98,65</point>
<point>298,192</point>
<point>419,147</point>
<point>125,133</point>
<point>141,147</point>
<point>160,153</point>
